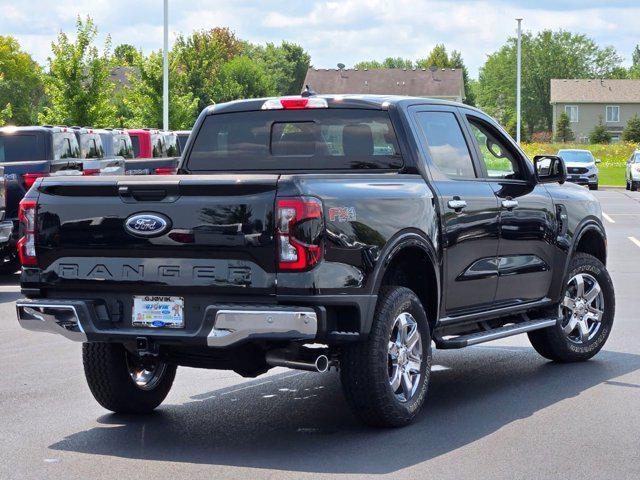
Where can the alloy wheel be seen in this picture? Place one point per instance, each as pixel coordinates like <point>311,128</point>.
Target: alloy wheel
<point>405,357</point>
<point>582,308</point>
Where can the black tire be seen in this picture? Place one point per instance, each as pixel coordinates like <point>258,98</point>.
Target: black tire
<point>553,343</point>
<point>365,366</point>
<point>106,368</point>
<point>627,185</point>
<point>634,186</point>
<point>593,187</point>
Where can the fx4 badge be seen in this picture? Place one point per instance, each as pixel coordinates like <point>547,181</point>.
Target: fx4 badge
<point>342,214</point>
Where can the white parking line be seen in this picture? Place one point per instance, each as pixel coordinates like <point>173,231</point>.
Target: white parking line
<point>635,240</point>
<point>608,218</point>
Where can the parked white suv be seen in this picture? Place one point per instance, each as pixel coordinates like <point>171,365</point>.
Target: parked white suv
<point>632,173</point>
<point>581,167</point>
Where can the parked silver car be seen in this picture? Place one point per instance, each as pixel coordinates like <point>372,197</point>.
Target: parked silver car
<point>632,173</point>
<point>581,167</point>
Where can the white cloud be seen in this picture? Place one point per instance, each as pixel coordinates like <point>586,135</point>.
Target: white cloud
<point>332,31</point>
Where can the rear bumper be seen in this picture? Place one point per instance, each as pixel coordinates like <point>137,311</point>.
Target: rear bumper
<point>223,326</point>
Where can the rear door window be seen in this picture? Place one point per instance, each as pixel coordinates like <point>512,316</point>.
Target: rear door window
<point>296,140</point>
<point>21,148</point>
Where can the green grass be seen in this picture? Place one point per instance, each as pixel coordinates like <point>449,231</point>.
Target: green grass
<point>613,157</point>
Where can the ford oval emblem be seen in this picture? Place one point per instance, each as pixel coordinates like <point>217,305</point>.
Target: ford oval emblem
<point>147,224</point>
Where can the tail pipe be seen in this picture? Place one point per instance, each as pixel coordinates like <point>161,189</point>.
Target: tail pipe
<point>303,359</point>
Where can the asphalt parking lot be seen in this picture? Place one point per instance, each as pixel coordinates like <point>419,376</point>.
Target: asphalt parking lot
<point>494,411</point>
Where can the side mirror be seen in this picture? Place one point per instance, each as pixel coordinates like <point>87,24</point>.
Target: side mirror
<point>550,169</point>
<point>598,160</point>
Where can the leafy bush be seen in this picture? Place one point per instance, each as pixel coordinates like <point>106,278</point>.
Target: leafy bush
<point>542,137</point>
<point>599,133</point>
<point>631,132</point>
<point>563,129</point>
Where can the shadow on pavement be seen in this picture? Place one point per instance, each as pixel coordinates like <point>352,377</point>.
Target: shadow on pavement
<point>300,422</point>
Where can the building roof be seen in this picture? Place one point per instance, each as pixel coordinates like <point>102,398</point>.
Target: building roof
<point>595,91</point>
<point>388,81</point>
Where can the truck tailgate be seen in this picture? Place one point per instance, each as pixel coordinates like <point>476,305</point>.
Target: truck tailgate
<point>213,233</point>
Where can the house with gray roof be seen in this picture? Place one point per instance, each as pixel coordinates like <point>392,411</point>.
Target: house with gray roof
<point>441,83</point>
<point>586,101</point>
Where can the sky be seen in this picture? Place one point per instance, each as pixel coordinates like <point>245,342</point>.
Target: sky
<point>333,32</point>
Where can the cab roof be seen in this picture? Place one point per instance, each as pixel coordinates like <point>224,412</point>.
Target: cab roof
<point>374,102</point>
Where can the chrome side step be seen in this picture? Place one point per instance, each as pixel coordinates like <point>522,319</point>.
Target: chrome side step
<point>462,341</point>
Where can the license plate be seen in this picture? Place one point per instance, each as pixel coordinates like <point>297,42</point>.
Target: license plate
<point>158,312</point>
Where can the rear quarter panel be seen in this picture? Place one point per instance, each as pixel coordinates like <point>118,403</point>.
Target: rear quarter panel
<point>363,213</point>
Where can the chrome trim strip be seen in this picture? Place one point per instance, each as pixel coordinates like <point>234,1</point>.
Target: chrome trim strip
<point>51,318</point>
<point>233,326</point>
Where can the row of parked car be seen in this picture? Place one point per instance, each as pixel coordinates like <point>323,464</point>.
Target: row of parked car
<point>28,153</point>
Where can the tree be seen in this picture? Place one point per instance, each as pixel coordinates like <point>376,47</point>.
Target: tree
<point>545,56</point>
<point>439,58</point>
<point>286,64</point>
<point>144,98</point>
<point>563,129</point>
<point>21,85</point>
<point>78,84</point>
<point>599,133</point>
<point>5,114</point>
<point>242,78</point>
<point>634,71</point>
<point>512,128</point>
<point>200,56</point>
<point>631,132</point>
<point>126,55</point>
<point>389,62</point>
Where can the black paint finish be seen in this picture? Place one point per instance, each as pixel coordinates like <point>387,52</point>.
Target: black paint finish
<point>221,245</point>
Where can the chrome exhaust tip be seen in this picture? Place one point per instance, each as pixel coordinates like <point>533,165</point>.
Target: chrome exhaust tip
<point>304,360</point>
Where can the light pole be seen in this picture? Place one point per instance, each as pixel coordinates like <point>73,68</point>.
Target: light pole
<point>165,69</point>
<point>518,80</point>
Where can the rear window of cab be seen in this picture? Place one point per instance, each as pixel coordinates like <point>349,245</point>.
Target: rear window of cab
<point>296,140</point>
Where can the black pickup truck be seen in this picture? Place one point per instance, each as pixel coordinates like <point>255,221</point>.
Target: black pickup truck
<point>28,153</point>
<point>317,232</point>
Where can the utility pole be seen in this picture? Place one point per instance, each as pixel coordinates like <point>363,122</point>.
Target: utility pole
<point>165,69</point>
<point>518,81</point>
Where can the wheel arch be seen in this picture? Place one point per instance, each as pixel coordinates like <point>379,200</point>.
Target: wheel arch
<point>410,260</point>
<point>590,238</point>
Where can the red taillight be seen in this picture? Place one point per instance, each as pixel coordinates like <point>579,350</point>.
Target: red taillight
<point>27,243</point>
<point>90,171</point>
<point>30,178</point>
<point>295,253</point>
<point>166,171</point>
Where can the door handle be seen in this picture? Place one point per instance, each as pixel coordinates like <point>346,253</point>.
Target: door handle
<point>509,204</point>
<point>456,204</point>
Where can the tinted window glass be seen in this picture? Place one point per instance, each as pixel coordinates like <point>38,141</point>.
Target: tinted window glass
<point>171,142</point>
<point>18,148</point>
<point>123,146</point>
<point>447,146</point>
<point>499,160</point>
<point>135,143</point>
<point>107,143</point>
<point>91,146</point>
<point>296,139</point>
<point>159,147</point>
<point>182,141</point>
